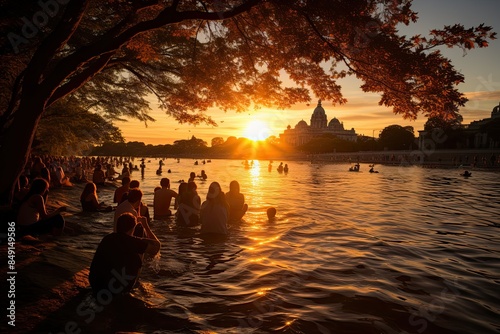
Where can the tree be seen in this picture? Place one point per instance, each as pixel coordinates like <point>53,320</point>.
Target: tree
<point>216,141</point>
<point>192,145</point>
<point>195,54</point>
<point>449,130</point>
<point>66,129</point>
<point>396,137</point>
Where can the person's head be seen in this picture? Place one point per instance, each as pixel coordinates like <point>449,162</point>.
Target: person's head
<point>156,189</point>
<point>135,184</point>
<point>98,167</point>
<point>39,186</point>
<point>192,186</point>
<point>192,175</point>
<point>271,213</point>
<point>126,181</point>
<point>183,187</point>
<point>90,188</point>
<point>126,223</point>
<point>134,196</point>
<point>214,191</point>
<point>165,183</point>
<point>234,187</point>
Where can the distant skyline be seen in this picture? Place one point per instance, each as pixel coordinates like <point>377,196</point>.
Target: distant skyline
<point>480,67</point>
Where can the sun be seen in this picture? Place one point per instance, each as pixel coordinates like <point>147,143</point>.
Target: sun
<point>257,130</point>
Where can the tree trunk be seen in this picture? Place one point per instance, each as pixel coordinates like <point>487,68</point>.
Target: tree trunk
<point>15,145</point>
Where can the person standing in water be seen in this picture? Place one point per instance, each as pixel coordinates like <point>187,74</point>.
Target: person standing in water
<point>163,199</point>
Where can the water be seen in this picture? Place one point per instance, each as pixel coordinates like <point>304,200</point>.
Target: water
<point>407,250</point>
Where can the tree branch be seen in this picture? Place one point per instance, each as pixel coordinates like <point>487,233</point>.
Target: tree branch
<point>72,16</point>
<point>169,15</point>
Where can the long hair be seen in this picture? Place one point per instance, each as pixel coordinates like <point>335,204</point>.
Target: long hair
<point>39,186</point>
<point>216,196</point>
<point>89,189</point>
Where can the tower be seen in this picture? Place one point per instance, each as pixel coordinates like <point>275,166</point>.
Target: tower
<point>318,118</point>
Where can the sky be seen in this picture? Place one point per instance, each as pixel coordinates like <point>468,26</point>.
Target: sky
<point>481,68</point>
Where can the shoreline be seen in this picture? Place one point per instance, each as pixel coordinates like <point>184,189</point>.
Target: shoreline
<point>50,278</point>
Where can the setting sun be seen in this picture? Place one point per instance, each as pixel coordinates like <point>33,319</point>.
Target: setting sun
<point>257,130</point>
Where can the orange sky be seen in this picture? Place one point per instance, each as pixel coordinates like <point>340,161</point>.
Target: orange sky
<point>362,112</point>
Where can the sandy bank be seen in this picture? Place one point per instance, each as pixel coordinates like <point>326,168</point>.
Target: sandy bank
<point>49,275</point>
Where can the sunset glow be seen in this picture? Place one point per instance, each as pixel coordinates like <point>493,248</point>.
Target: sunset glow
<point>257,130</point>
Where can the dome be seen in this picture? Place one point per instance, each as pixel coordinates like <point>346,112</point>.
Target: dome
<point>335,124</point>
<point>319,111</point>
<point>301,125</point>
<point>496,111</point>
<point>318,118</point>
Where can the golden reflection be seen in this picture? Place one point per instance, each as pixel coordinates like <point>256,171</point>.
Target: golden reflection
<point>264,241</point>
<point>255,170</point>
<point>263,291</point>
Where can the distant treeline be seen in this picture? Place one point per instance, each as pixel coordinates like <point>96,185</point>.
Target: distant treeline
<point>240,148</point>
<point>231,148</point>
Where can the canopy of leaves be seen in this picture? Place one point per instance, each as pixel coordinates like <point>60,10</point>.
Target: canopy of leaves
<point>396,137</point>
<point>193,55</point>
<point>66,129</point>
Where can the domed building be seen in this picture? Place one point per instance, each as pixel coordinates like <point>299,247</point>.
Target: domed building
<point>477,134</point>
<point>302,133</point>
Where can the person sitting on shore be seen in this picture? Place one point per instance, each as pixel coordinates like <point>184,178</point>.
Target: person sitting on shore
<point>36,167</point>
<point>121,254</point>
<point>98,177</point>
<point>236,201</point>
<point>214,212</point>
<point>90,201</point>
<point>120,191</point>
<point>162,200</point>
<point>33,218</point>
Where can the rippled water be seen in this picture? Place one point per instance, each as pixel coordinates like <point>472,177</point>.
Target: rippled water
<point>407,250</point>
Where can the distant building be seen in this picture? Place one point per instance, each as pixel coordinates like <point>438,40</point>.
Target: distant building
<point>303,133</point>
<point>474,134</point>
<point>476,137</point>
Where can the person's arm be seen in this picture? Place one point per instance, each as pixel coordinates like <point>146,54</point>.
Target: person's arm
<point>153,243</point>
<point>40,206</point>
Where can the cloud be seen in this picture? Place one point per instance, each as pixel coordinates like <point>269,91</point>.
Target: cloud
<point>483,95</point>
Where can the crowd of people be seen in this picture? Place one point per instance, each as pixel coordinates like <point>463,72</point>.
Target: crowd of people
<point>131,236</point>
